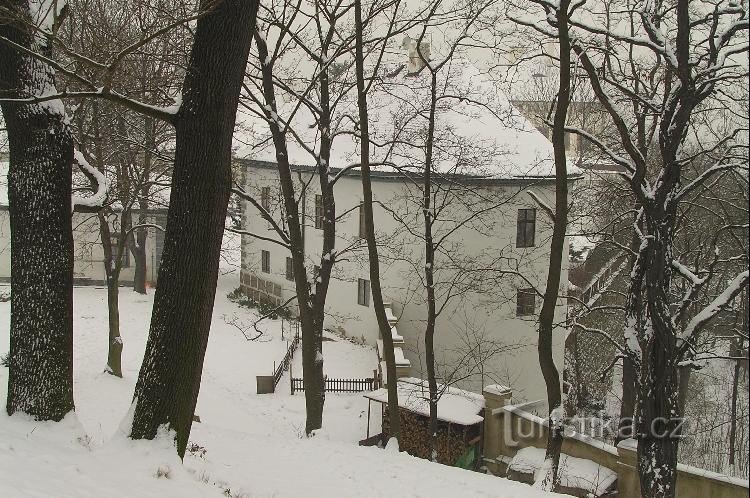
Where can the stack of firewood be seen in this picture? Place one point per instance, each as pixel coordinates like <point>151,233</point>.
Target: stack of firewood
<point>415,437</point>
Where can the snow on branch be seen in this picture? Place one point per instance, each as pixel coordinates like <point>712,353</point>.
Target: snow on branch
<point>718,304</point>
<point>99,197</point>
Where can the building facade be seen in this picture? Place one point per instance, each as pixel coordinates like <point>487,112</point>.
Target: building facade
<point>490,270</point>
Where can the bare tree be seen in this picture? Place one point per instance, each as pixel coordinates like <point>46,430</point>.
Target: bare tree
<point>672,64</point>
<point>394,416</point>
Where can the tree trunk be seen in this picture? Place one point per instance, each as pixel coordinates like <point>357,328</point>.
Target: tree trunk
<point>658,407</point>
<point>137,240</point>
<point>112,273</point>
<point>169,379</point>
<point>394,418</point>
<point>139,259</point>
<point>40,376</point>
<point>429,270</point>
<point>549,480</point>
<point>311,327</point>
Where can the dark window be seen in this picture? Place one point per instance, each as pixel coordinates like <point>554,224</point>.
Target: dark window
<point>362,225</point>
<point>363,292</point>
<point>265,261</point>
<point>318,211</point>
<point>526,228</point>
<point>265,198</point>
<point>289,269</point>
<point>525,302</point>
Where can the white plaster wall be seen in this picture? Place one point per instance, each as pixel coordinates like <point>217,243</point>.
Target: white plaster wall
<point>88,252</point>
<point>489,313</point>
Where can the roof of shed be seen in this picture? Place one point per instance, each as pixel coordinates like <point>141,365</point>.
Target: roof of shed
<point>455,405</point>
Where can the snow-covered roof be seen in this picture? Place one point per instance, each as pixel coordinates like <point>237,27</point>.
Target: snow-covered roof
<point>573,472</point>
<point>478,131</point>
<point>455,405</point>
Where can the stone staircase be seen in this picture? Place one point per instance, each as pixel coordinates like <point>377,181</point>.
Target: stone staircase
<point>403,366</point>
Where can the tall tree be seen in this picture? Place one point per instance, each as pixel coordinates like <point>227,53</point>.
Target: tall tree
<point>40,380</point>
<point>549,478</point>
<point>169,379</point>
<point>675,64</point>
<point>394,417</point>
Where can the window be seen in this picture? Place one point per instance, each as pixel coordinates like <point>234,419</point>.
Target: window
<point>362,224</point>
<point>265,261</point>
<point>318,211</point>
<point>567,141</point>
<point>526,228</point>
<point>289,269</point>
<point>525,302</point>
<point>363,292</point>
<point>265,198</point>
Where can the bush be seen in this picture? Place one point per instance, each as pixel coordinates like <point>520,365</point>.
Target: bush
<point>263,309</point>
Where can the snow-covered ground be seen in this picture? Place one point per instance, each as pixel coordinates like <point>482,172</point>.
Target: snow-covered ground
<point>253,444</point>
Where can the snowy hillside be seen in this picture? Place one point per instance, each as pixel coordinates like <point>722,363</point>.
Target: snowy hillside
<point>247,444</point>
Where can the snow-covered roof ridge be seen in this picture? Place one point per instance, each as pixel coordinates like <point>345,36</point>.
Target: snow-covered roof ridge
<point>479,133</point>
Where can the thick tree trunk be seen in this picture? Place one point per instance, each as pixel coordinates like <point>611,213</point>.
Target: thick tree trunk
<point>40,376</point>
<point>170,375</point>
<point>549,479</point>
<point>139,259</point>
<point>658,404</point>
<point>394,417</point>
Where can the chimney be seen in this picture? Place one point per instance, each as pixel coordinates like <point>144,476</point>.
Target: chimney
<point>416,63</point>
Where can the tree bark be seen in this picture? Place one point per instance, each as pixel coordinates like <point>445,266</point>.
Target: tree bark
<point>394,418</point>
<point>40,376</point>
<point>550,373</point>
<point>169,379</point>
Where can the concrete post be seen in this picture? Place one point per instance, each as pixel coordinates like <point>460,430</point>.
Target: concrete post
<point>628,483</point>
<point>495,397</point>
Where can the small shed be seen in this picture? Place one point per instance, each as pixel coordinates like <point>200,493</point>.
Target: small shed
<point>460,419</point>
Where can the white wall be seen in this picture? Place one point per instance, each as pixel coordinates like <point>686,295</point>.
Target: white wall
<point>88,252</point>
<point>489,309</point>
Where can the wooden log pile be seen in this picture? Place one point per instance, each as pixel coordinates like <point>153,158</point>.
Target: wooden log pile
<point>415,437</point>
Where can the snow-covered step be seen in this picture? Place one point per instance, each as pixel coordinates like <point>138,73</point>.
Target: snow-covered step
<point>398,353</point>
<point>396,337</point>
<point>392,319</point>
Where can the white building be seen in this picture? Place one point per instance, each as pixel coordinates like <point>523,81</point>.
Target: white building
<point>495,246</point>
<point>88,253</point>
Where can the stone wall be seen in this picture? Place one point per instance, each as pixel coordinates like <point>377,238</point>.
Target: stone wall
<point>508,428</point>
<point>259,289</point>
